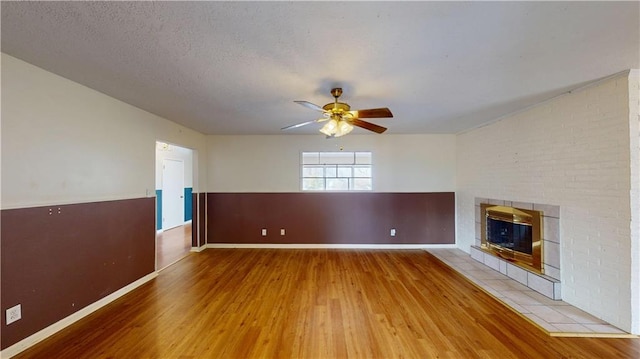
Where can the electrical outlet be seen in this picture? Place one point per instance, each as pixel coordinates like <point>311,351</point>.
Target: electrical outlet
<point>392,232</point>
<point>264,232</point>
<point>14,314</point>
<point>282,231</point>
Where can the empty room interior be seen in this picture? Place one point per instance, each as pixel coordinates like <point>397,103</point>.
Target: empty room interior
<point>320,179</point>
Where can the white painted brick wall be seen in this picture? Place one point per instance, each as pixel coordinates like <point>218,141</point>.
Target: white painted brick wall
<point>634,115</point>
<point>574,152</point>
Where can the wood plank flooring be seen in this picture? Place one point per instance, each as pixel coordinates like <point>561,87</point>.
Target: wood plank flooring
<point>173,245</point>
<point>280,303</point>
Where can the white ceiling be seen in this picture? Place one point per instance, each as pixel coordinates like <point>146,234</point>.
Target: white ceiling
<point>236,67</point>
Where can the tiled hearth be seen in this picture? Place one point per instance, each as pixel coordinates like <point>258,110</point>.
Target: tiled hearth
<point>545,285</point>
<point>554,316</point>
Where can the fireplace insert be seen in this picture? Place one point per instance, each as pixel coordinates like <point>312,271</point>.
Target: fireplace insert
<point>514,234</point>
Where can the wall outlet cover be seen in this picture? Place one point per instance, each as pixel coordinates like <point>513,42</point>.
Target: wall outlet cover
<point>14,314</point>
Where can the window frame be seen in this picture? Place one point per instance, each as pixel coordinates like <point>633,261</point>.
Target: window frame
<point>335,167</point>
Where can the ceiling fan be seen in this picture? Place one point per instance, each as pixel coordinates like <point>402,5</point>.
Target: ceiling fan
<point>340,117</point>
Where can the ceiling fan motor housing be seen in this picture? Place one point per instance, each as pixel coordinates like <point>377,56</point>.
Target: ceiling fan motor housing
<point>337,107</point>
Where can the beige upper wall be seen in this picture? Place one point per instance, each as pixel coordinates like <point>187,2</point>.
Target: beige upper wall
<point>65,143</point>
<point>401,163</point>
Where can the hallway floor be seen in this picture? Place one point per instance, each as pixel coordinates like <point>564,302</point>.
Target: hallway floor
<point>173,245</point>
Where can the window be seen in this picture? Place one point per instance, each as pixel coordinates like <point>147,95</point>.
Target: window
<point>336,171</point>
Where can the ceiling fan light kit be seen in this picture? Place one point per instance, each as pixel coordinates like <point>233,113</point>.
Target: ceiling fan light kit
<point>341,118</point>
<point>336,128</point>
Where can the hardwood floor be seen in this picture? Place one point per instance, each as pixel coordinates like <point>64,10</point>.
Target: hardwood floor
<point>277,303</point>
<point>173,245</point>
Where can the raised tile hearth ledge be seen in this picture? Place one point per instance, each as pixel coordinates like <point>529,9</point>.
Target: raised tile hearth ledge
<point>542,284</point>
<point>556,317</point>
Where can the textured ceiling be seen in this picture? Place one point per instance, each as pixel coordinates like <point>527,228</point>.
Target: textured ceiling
<point>236,67</point>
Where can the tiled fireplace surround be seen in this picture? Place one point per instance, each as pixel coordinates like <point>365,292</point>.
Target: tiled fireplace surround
<point>547,284</point>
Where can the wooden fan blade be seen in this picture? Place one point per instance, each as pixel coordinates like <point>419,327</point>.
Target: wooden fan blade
<point>372,113</point>
<point>367,125</point>
<point>310,105</point>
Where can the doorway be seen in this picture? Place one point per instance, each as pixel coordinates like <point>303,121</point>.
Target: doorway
<point>174,185</point>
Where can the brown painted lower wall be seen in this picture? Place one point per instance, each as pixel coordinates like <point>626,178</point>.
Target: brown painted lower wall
<point>57,260</point>
<point>331,218</point>
<point>202,214</point>
<point>194,220</point>
<point>198,221</point>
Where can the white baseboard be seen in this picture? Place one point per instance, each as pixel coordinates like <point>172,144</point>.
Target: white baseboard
<point>198,249</point>
<point>327,246</point>
<point>161,230</point>
<point>65,322</point>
